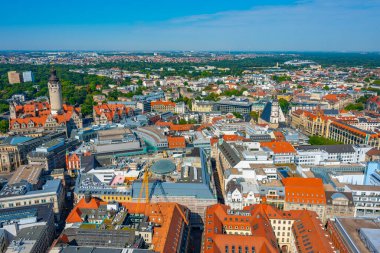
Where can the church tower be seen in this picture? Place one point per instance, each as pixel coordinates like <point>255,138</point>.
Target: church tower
<point>55,93</point>
<point>272,114</point>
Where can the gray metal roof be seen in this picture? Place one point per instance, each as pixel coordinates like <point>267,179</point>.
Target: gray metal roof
<point>197,190</point>
<point>339,148</point>
<point>229,153</point>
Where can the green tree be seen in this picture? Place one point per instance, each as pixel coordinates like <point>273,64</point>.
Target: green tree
<point>87,105</point>
<point>237,115</point>
<point>254,115</point>
<point>281,79</point>
<point>326,87</point>
<point>318,140</point>
<point>284,104</point>
<point>4,126</point>
<point>355,107</point>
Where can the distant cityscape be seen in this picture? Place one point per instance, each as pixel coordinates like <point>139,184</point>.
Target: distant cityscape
<point>212,152</point>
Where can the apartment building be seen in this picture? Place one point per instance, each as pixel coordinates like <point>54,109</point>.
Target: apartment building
<point>336,129</point>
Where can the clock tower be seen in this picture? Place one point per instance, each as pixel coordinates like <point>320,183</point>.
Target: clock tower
<point>55,93</point>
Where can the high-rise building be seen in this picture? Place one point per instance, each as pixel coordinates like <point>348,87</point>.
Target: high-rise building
<point>55,93</point>
<point>27,76</point>
<point>14,77</point>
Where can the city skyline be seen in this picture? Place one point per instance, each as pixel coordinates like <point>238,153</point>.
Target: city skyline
<point>274,25</point>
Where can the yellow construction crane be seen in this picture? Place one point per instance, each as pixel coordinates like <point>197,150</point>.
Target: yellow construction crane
<point>145,187</point>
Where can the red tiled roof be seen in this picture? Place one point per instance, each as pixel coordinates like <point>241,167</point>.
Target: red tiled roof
<point>279,147</point>
<point>304,190</point>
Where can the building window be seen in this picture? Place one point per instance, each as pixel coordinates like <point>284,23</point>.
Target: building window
<point>226,249</point>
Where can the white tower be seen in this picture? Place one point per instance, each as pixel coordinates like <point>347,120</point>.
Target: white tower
<point>55,93</point>
<point>274,114</point>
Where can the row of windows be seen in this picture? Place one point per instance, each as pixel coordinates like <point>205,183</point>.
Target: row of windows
<point>307,195</point>
<point>283,222</point>
<point>239,249</point>
<point>236,227</point>
<point>30,202</point>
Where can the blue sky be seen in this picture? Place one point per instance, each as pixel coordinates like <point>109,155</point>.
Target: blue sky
<point>266,25</point>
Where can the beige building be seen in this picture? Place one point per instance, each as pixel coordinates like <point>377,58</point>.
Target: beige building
<point>202,106</point>
<point>347,134</point>
<point>339,204</point>
<point>310,123</point>
<point>14,77</point>
<point>318,124</point>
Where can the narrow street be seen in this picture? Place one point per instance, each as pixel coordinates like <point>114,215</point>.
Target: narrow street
<point>219,192</point>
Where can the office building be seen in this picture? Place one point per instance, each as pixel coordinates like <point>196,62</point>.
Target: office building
<point>14,149</point>
<point>237,105</point>
<point>52,154</point>
<point>366,199</point>
<point>22,194</point>
<point>27,76</point>
<point>28,229</point>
